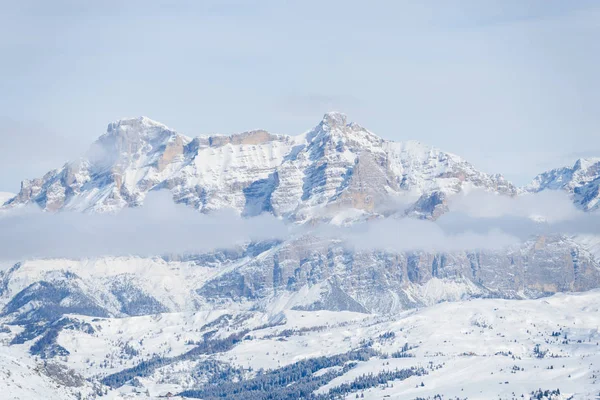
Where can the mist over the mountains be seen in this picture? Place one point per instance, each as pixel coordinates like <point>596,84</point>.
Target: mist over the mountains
<point>159,227</point>
<point>407,234</point>
<point>522,217</point>
<point>549,206</point>
<point>476,221</point>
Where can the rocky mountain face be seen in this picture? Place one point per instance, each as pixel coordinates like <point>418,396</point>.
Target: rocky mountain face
<point>314,177</point>
<point>304,273</point>
<point>386,282</point>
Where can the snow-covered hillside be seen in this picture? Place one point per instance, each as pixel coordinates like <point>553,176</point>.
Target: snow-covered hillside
<point>477,349</point>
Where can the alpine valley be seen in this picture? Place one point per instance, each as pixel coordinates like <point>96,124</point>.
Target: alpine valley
<point>305,316</point>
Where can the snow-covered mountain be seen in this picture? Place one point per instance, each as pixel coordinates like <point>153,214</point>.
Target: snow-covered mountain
<point>306,316</point>
<point>581,181</point>
<point>336,164</point>
<point>335,167</point>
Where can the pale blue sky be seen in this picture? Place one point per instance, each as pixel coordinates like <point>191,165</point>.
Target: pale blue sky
<point>512,86</point>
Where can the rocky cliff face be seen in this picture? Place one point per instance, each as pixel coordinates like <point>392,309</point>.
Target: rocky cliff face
<point>386,282</point>
<point>124,163</point>
<point>305,273</point>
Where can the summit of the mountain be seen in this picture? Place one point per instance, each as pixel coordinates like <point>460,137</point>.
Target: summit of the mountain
<point>335,128</point>
<point>135,122</point>
<point>130,135</point>
<point>334,119</point>
<point>587,164</point>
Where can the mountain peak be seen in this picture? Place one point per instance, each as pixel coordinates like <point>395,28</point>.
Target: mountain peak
<point>334,119</point>
<point>131,133</point>
<point>335,127</point>
<point>586,163</point>
<point>137,123</point>
<point>336,162</point>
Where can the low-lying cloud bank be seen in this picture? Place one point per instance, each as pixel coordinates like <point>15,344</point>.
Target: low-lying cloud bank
<point>407,234</point>
<point>527,215</point>
<point>159,227</point>
<point>550,206</point>
<point>476,221</point>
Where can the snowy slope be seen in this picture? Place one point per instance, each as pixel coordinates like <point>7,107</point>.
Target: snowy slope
<point>589,242</point>
<point>111,286</point>
<point>21,377</point>
<point>478,349</point>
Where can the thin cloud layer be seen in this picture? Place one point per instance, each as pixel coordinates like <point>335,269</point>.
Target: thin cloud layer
<point>476,221</point>
<point>407,234</point>
<point>524,216</point>
<point>159,227</point>
<point>550,206</point>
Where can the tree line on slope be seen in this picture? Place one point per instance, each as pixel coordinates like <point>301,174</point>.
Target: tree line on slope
<point>300,381</point>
